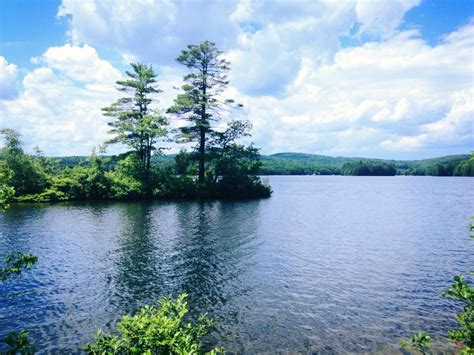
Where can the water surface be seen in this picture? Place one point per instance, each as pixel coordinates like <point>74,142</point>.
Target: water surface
<point>327,264</point>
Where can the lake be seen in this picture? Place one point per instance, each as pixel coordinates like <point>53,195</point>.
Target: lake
<point>327,264</point>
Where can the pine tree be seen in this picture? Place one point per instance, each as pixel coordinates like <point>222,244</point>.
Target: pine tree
<point>201,104</point>
<point>136,124</point>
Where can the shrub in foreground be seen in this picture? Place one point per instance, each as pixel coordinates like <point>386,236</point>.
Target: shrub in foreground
<point>155,330</point>
<point>463,336</point>
<point>420,342</point>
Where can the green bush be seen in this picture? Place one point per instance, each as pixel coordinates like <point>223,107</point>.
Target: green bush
<point>243,186</point>
<point>420,342</point>
<point>6,191</point>
<point>49,195</point>
<point>155,330</point>
<point>175,186</point>
<point>15,263</point>
<point>19,343</point>
<point>463,336</point>
<point>125,182</point>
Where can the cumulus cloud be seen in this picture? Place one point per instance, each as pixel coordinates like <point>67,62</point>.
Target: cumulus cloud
<point>267,39</point>
<point>71,60</point>
<point>278,36</point>
<point>149,30</point>
<point>59,108</point>
<point>375,98</point>
<point>266,61</point>
<point>456,128</point>
<point>8,77</point>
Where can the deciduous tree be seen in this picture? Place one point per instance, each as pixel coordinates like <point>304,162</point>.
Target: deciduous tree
<point>27,174</point>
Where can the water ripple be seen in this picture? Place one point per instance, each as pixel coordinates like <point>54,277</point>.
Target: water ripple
<point>327,265</point>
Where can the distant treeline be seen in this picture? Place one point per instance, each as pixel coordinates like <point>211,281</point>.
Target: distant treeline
<point>361,168</point>
<point>310,164</point>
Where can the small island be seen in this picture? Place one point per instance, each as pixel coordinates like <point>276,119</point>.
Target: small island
<point>218,166</point>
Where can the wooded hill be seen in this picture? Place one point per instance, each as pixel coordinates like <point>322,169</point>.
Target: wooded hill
<point>309,164</point>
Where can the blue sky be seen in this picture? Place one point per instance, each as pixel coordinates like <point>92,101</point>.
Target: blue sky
<point>28,28</point>
<point>375,78</point>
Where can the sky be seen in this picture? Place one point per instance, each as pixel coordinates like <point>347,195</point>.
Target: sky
<point>370,78</point>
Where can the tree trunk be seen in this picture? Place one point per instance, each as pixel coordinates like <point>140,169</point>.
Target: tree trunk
<point>202,140</point>
<point>202,156</point>
<point>147,162</point>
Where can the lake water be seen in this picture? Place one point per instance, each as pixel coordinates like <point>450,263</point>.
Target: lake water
<point>327,264</point>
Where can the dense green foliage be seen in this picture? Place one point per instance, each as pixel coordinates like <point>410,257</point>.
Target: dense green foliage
<point>15,264</point>
<point>301,164</point>
<point>19,343</point>
<point>465,168</point>
<point>463,336</point>
<point>6,191</point>
<point>232,172</point>
<point>361,168</point>
<point>420,342</point>
<point>155,330</point>
<point>28,172</point>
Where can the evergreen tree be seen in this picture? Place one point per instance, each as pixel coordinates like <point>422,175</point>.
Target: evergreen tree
<point>201,103</point>
<point>136,124</point>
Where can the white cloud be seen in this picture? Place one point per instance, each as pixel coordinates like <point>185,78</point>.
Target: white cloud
<point>278,35</point>
<point>71,60</point>
<point>375,98</point>
<point>151,30</point>
<point>8,77</point>
<point>456,128</point>
<point>59,108</point>
<point>267,39</point>
<point>382,17</point>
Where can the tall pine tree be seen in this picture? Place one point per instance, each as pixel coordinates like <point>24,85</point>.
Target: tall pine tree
<point>201,104</point>
<point>136,124</point>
